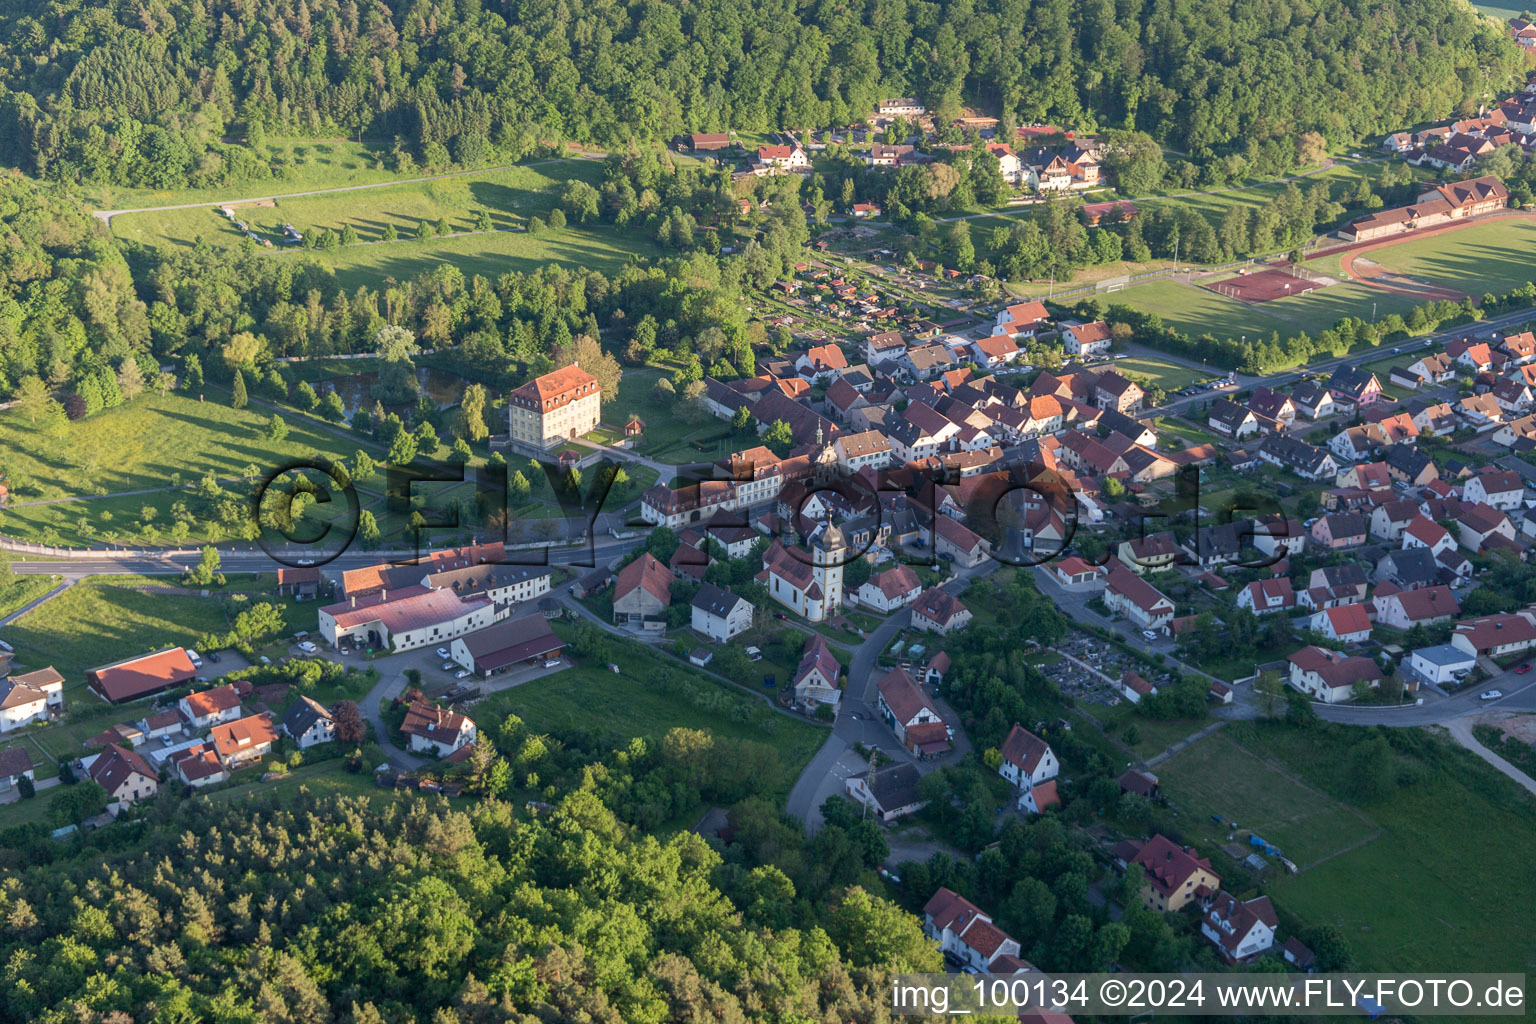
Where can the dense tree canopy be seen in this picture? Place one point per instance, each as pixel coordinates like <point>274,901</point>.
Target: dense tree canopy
<point>155,95</point>
<point>329,909</point>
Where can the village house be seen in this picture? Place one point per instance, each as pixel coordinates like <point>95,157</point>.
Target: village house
<point>912,716</point>
<point>1229,419</point>
<point>30,697</point>
<point>1312,400</point>
<point>1090,339</point>
<point>1441,664</point>
<point>816,676</point>
<point>1028,762</point>
<point>1403,609</point>
<point>936,610</point>
<point>1273,404</point>
<point>1390,519</point>
<point>1494,635</point>
<point>436,731</point>
<point>642,593</point>
<point>1477,525</point>
<point>244,740</point>
<point>890,794</point>
<point>1127,594</point>
<point>965,933</point>
<point>720,614</point>
<point>1329,676</point>
<point>1152,553</point>
<point>1300,458</point>
<point>198,766</point>
<point>1345,623</point>
<point>1174,875</point>
<point>1501,489</point>
<point>1426,533</point>
<point>888,591</point>
<point>1112,391</point>
<point>1354,387</point>
<point>308,723</point>
<point>1239,931</point>
<point>211,707</point>
<point>1265,596</point>
<point>1340,531</point>
<point>15,765</point>
<point>125,775</point>
<point>1407,464</point>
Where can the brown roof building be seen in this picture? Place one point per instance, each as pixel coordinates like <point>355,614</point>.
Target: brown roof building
<point>141,676</point>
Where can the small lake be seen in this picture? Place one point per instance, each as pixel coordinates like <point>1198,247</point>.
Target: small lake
<point>443,387</point>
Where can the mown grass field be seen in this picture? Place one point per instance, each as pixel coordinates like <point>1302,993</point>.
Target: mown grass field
<point>1196,311</point>
<point>510,197</point>
<point>105,619</point>
<point>1435,888</point>
<point>1492,257</point>
<point>668,438</point>
<point>1166,375</point>
<point>630,704</point>
<point>299,164</point>
<point>1218,776</point>
<point>154,444</point>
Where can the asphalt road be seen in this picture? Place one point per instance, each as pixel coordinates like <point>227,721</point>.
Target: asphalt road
<point>858,720</point>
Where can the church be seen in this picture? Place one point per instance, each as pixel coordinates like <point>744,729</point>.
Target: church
<point>810,584</point>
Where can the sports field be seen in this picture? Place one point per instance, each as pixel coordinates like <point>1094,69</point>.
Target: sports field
<point>1217,776</point>
<point>1434,887</point>
<point>1196,311</point>
<point>1495,256</point>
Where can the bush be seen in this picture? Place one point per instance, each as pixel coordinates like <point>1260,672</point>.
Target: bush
<point>25,788</point>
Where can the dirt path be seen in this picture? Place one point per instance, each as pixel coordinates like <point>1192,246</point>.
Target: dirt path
<point>1461,730</point>
<point>1373,275</point>
<point>105,216</point>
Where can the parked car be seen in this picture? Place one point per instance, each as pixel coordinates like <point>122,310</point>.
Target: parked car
<point>552,663</point>
<point>307,647</point>
<point>449,666</point>
<point>462,673</point>
<point>1149,634</point>
<point>442,652</point>
<point>1490,694</point>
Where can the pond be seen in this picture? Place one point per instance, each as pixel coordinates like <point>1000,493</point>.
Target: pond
<point>443,387</point>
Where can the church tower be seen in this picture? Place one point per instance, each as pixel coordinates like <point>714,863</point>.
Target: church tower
<point>828,552</point>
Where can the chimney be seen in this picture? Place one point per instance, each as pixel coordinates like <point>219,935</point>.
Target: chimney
<point>354,600</point>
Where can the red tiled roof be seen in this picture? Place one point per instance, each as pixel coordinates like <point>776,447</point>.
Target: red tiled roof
<point>1348,618</point>
<point>211,702</point>
<point>648,573</point>
<point>142,675</point>
<point>565,382</point>
<point>903,696</point>
<point>1024,750</point>
<point>242,734</point>
<point>1168,866</point>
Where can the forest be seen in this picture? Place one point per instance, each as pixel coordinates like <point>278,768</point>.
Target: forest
<point>185,92</point>
<point>316,909</point>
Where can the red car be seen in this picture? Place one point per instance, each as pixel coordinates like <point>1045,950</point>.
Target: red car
<point>1523,669</point>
